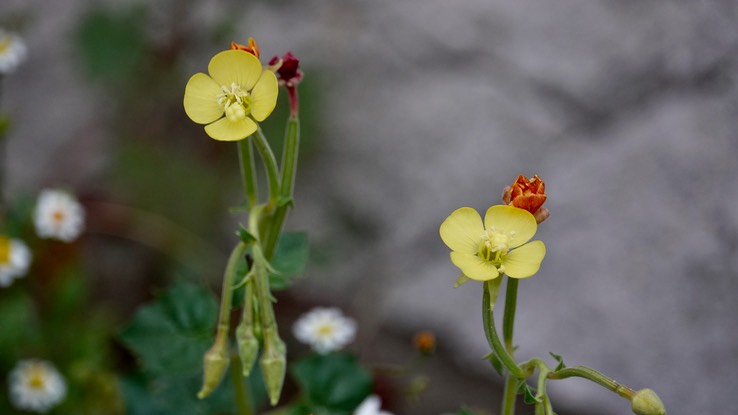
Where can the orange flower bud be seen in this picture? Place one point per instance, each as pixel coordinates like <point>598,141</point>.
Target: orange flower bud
<point>425,342</point>
<point>252,48</point>
<point>529,195</point>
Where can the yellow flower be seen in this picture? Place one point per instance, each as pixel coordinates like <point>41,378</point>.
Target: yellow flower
<point>237,94</point>
<point>483,251</point>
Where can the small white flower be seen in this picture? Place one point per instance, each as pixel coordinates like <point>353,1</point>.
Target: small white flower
<point>36,385</point>
<point>15,257</point>
<point>12,52</point>
<point>325,329</point>
<point>58,215</point>
<point>371,406</point>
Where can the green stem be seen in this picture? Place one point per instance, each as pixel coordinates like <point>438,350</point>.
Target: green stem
<point>508,318</point>
<point>248,173</point>
<point>270,164</point>
<point>289,167</point>
<point>508,323</point>
<point>493,339</point>
<point>509,395</point>
<point>227,290</point>
<point>594,376</point>
<point>543,404</point>
<point>243,401</point>
<point>261,276</point>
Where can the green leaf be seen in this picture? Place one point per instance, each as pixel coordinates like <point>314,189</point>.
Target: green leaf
<point>529,393</point>
<point>334,382</point>
<point>245,236</point>
<point>559,359</point>
<point>145,394</point>
<point>494,290</point>
<point>285,201</point>
<point>171,335</point>
<point>461,280</point>
<point>289,259</point>
<point>529,396</point>
<point>496,362</point>
<point>19,325</point>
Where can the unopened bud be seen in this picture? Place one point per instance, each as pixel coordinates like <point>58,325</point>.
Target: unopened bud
<point>273,367</point>
<point>646,402</point>
<point>529,195</point>
<point>251,48</point>
<point>215,364</point>
<point>425,342</point>
<point>248,347</point>
<point>288,69</point>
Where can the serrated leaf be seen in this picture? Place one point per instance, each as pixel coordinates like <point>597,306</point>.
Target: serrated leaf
<point>171,335</point>
<point>334,382</point>
<point>289,260</point>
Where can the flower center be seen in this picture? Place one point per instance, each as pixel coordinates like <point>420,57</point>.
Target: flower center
<point>236,102</point>
<point>4,44</point>
<point>58,216</point>
<point>494,246</point>
<point>36,382</point>
<point>325,330</point>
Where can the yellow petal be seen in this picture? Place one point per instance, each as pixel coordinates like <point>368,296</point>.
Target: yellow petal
<point>474,267</point>
<point>226,130</point>
<point>524,261</point>
<point>235,66</point>
<point>264,95</point>
<point>518,223</point>
<point>201,99</point>
<point>462,230</point>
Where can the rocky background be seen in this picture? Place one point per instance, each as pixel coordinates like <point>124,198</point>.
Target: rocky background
<point>626,109</point>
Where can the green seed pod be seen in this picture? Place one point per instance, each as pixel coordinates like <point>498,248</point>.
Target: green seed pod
<point>215,364</point>
<point>273,367</point>
<point>646,402</point>
<point>248,346</point>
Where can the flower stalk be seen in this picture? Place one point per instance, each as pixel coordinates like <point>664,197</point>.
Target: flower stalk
<point>289,168</point>
<point>508,324</point>
<point>248,175</point>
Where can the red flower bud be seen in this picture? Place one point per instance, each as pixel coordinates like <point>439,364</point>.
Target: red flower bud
<point>529,195</point>
<point>289,72</point>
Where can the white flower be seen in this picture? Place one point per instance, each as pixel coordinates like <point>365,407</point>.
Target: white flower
<point>36,385</point>
<point>58,215</point>
<point>324,329</point>
<point>12,52</point>
<point>15,257</point>
<point>371,406</point>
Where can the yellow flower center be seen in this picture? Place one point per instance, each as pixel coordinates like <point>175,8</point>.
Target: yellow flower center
<point>4,250</point>
<point>494,246</point>
<point>36,382</point>
<point>36,378</point>
<point>325,330</point>
<point>4,45</point>
<point>58,216</point>
<point>236,102</point>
